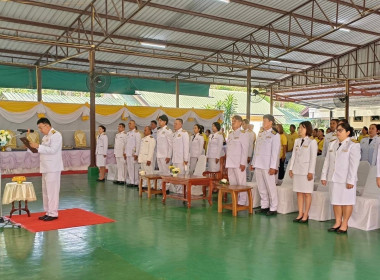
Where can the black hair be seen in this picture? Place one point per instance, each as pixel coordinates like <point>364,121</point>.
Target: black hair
<point>217,125</point>
<point>154,121</point>
<point>323,131</point>
<point>123,125</point>
<point>150,129</point>
<point>164,118</point>
<point>347,127</point>
<point>292,125</point>
<point>180,120</point>
<point>200,127</point>
<point>104,128</point>
<point>308,126</point>
<point>43,121</point>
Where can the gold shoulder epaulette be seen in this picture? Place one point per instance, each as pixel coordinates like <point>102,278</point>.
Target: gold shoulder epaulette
<point>167,128</point>
<point>184,130</point>
<point>355,141</point>
<point>242,131</point>
<point>53,131</point>
<point>220,133</point>
<point>261,130</point>
<point>332,140</point>
<point>274,132</point>
<point>151,136</point>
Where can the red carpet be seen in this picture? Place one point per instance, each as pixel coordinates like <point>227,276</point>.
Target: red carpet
<point>68,172</point>
<point>67,218</point>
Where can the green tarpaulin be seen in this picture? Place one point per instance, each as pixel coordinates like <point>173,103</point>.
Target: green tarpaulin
<point>20,77</point>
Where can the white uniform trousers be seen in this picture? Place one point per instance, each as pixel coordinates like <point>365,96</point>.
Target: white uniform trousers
<point>193,164</point>
<point>51,184</point>
<point>237,177</point>
<point>178,188</point>
<point>163,168</point>
<point>133,171</point>
<point>146,168</point>
<point>120,164</point>
<point>213,166</point>
<point>267,188</point>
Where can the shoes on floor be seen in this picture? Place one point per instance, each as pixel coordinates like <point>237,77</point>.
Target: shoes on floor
<point>262,211</point>
<point>297,220</point>
<point>271,213</point>
<point>43,217</point>
<point>339,231</point>
<point>333,229</point>
<point>304,221</point>
<point>101,180</point>
<point>50,218</point>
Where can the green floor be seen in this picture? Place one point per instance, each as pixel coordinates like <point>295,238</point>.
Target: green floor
<point>153,241</point>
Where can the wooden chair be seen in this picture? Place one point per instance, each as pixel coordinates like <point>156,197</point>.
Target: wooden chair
<point>80,139</point>
<point>217,176</point>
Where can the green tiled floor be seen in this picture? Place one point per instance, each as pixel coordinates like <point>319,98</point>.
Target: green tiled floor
<point>153,241</point>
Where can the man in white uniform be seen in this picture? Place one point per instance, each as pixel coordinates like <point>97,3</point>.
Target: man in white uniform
<point>153,127</point>
<point>331,136</point>
<point>236,157</point>
<point>265,163</point>
<point>119,151</point>
<point>180,157</point>
<point>369,146</point>
<point>132,151</point>
<point>51,165</point>
<point>251,136</point>
<point>164,145</point>
<point>147,147</point>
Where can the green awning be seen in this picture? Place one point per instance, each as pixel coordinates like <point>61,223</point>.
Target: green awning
<point>23,77</point>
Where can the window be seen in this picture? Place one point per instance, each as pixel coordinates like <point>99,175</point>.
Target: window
<point>358,119</point>
<point>375,118</point>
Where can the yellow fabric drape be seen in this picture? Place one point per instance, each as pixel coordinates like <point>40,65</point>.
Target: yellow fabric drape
<point>175,112</point>
<point>107,109</point>
<point>17,106</point>
<point>206,114</point>
<point>63,108</point>
<point>142,112</point>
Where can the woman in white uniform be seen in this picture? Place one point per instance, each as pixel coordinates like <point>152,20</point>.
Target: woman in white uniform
<point>302,169</point>
<point>196,147</point>
<point>215,148</point>
<point>101,152</point>
<point>340,170</point>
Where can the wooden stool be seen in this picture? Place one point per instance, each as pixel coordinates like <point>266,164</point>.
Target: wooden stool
<point>150,191</point>
<point>234,190</point>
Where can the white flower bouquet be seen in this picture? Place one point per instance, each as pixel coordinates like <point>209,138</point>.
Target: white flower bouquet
<point>224,182</point>
<point>4,137</point>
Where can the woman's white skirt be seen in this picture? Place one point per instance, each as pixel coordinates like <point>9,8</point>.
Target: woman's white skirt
<point>100,160</point>
<point>340,195</point>
<point>213,166</point>
<point>302,185</point>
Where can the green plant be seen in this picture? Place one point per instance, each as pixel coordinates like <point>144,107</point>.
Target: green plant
<point>228,106</point>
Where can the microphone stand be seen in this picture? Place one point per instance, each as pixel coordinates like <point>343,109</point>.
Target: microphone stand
<point>4,220</point>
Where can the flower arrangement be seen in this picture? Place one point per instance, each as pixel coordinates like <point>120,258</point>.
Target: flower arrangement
<point>174,170</point>
<point>19,179</point>
<point>142,172</point>
<point>4,137</point>
<point>224,182</point>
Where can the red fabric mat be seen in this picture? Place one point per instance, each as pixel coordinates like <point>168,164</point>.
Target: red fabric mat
<point>66,219</point>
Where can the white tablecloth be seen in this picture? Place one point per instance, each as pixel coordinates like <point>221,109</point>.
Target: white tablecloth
<point>18,162</point>
<point>16,192</point>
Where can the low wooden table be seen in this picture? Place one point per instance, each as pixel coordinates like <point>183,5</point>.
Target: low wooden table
<point>19,192</point>
<point>234,190</point>
<point>149,190</point>
<point>187,181</point>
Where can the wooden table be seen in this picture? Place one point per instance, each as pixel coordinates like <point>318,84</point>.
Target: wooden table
<point>150,191</point>
<point>234,190</point>
<point>187,181</point>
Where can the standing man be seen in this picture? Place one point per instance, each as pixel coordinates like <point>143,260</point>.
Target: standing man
<point>331,136</point>
<point>154,129</point>
<point>146,153</point>
<point>164,145</point>
<point>236,156</point>
<point>181,153</point>
<point>51,165</point>
<point>132,151</point>
<point>119,151</point>
<point>251,136</point>
<point>265,162</point>
<point>369,146</point>
<point>292,136</point>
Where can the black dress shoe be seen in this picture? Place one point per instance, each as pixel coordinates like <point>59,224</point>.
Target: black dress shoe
<point>116,182</point>
<point>333,229</point>
<point>50,218</point>
<point>121,183</point>
<point>339,231</point>
<point>304,221</point>
<point>100,180</point>
<point>43,217</point>
<point>271,213</point>
<point>262,211</point>
<point>296,220</point>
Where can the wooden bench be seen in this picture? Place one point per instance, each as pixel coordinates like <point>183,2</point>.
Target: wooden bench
<point>234,190</point>
<point>149,190</point>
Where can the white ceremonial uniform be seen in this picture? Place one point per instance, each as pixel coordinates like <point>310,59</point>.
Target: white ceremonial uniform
<point>196,149</point>
<point>154,134</point>
<point>181,153</point>
<point>252,139</point>
<point>341,168</point>
<point>164,149</point>
<point>369,150</point>
<point>119,149</point>
<point>147,147</point>
<point>265,157</point>
<point>302,162</point>
<point>132,149</point>
<point>214,151</point>
<point>329,137</point>
<point>378,162</point>
<point>236,155</point>
<point>51,165</point>
<point>101,150</point>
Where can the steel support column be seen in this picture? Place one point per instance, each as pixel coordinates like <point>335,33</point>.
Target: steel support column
<point>39,84</point>
<point>271,101</point>
<point>176,92</point>
<point>92,108</point>
<point>347,91</point>
<point>248,114</point>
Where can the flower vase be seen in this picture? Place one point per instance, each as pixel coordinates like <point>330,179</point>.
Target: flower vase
<point>3,148</point>
<point>174,174</point>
